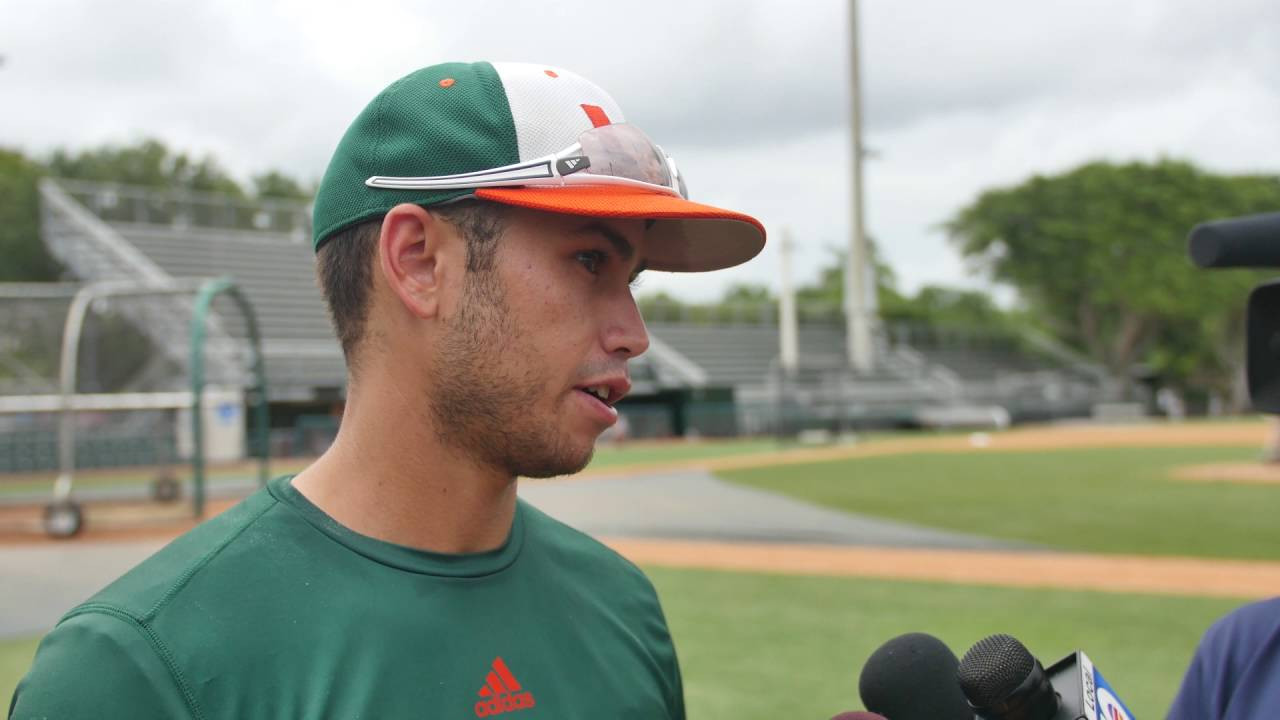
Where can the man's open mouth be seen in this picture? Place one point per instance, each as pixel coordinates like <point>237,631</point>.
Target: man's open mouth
<point>608,392</point>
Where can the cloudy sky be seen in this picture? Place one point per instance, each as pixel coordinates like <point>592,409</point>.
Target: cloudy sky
<point>750,96</point>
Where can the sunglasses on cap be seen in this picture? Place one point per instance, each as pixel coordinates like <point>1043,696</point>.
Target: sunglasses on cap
<point>617,154</point>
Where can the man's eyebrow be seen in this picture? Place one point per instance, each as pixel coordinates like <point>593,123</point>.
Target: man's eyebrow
<point>615,238</point>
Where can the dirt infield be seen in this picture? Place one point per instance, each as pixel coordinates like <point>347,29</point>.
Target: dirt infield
<point>107,521</point>
<point>1226,434</point>
<point>1112,573</point>
<point>1064,571</point>
<point>1253,473</point>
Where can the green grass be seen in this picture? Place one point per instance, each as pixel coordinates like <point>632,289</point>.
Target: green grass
<point>15,658</point>
<point>770,646</point>
<point>1096,500</point>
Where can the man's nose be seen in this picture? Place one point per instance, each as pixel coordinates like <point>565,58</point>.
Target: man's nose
<point>626,334</point>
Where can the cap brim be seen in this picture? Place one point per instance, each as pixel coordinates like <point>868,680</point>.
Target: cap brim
<point>685,237</point>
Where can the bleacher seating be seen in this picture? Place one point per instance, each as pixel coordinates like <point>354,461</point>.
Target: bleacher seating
<point>739,355</point>
<point>979,364</point>
<point>748,354</point>
<point>276,271</point>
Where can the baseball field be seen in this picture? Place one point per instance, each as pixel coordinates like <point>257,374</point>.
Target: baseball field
<point>1127,543</point>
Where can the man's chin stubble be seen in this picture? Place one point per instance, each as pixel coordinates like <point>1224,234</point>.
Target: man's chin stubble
<point>553,467</point>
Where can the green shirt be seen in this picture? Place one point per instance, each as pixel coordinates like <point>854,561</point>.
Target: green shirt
<point>274,610</point>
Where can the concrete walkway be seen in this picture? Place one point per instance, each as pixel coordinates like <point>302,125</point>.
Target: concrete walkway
<point>696,505</point>
<point>42,582</point>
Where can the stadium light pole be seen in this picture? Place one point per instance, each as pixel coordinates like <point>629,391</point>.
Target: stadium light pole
<point>787,325</point>
<point>859,301</point>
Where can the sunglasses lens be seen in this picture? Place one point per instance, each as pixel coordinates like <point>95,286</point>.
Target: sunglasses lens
<point>625,151</point>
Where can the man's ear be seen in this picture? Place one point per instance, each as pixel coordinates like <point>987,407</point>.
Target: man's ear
<point>409,255</point>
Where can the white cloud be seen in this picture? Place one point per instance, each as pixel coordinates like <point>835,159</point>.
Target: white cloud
<point>751,97</point>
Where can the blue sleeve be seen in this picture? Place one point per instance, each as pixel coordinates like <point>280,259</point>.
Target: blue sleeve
<point>1235,672</point>
<point>98,665</point>
<point>1200,685</point>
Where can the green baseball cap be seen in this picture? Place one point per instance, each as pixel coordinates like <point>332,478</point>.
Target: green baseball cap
<point>524,135</point>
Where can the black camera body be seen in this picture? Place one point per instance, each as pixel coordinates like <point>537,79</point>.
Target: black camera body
<point>1252,241</point>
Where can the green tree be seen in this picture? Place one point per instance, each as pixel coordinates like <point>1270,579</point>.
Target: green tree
<point>828,290</point>
<point>275,184</point>
<point>933,306</point>
<point>953,308</point>
<point>747,294</point>
<point>24,256</point>
<point>661,307</point>
<point>1099,256</point>
<point>149,163</point>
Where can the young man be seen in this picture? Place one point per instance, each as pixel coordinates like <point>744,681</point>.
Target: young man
<point>477,232</point>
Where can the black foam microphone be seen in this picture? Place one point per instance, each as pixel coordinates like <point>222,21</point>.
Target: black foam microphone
<point>859,715</point>
<point>1002,680</point>
<point>913,677</point>
<point>1249,241</point>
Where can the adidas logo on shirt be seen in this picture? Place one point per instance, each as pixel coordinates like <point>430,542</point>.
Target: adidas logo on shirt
<point>502,692</point>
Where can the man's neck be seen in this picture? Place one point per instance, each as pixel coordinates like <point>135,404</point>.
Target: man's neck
<point>388,476</point>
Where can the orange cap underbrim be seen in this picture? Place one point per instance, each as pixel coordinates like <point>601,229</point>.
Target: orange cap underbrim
<point>685,237</point>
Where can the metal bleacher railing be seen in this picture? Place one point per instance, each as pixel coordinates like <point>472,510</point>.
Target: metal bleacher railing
<point>118,203</point>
